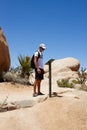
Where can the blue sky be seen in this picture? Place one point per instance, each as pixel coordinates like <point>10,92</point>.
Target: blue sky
<point>60,24</point>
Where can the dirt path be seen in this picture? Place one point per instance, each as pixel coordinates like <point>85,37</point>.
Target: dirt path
<point>67,111</point>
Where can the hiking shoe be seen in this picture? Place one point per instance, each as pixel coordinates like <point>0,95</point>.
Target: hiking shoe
<point>35,94</point>
<point>40,93</point>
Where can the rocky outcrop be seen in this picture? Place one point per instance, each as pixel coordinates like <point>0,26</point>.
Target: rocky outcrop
<point>69,62</point>
<point>8,106</point>
<point>66,68</point>
<point>4,53</point>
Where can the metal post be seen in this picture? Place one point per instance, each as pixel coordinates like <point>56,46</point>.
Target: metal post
<point>49,63</point>
<point>49,79</point>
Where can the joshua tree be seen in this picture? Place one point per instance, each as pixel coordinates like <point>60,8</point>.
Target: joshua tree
<point>25,65</point>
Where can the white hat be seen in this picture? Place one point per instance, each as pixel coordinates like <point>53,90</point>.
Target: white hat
<point>42,46</point>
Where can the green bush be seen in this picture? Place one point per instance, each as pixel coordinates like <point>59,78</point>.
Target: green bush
<point>65,84</point>
<point>76,81</point>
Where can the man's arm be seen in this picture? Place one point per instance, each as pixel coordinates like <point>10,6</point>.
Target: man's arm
<point>36,64</point>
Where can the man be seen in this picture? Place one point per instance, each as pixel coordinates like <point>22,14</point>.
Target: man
<point>39,70</point>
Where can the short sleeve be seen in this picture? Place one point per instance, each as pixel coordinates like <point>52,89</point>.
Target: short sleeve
<point>36,54</point>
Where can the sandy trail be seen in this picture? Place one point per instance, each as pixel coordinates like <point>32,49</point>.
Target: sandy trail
<point>68,111</point>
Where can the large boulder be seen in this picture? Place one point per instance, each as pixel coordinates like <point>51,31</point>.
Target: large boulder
<point>4,53</point>
<point>66,68</point>
<point>69,62</point>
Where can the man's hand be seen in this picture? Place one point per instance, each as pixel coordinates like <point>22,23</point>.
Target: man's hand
<point>39,71</point>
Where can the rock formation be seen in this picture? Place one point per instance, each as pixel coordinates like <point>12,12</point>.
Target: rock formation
<point>4,53</point>
<point>66,68</point>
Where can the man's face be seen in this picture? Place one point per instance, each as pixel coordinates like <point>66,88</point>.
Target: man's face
<point>41,49</point>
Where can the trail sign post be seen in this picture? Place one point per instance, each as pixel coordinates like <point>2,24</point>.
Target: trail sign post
<point>49,63</point>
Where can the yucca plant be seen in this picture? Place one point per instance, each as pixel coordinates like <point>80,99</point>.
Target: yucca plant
<point>25,65</point>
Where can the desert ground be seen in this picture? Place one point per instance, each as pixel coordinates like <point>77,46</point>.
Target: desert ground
<point>65,110</point>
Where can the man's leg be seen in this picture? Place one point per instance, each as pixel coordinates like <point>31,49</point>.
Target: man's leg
<point>39,88</point>
<point>35,84</point>
<point>39,85</point>
<point>35,87</point>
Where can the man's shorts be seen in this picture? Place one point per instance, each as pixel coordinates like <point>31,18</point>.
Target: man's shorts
<point>39,76</point>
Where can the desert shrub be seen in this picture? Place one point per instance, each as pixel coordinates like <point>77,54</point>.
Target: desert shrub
<point>82,75</point>
<point>82,78</point>
<point>65,83</point>
<point>76,81</point>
